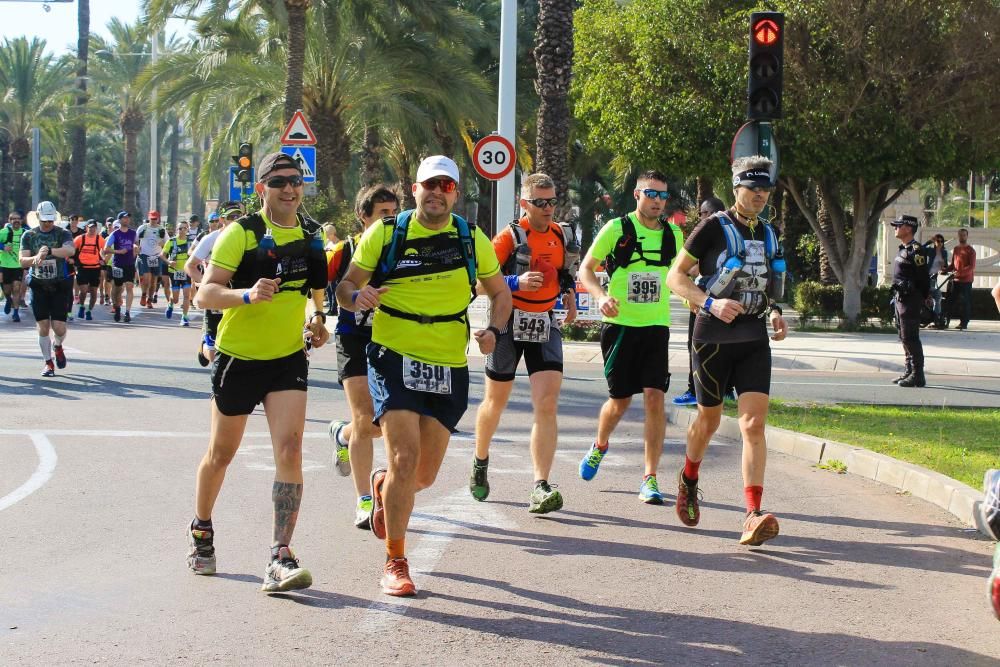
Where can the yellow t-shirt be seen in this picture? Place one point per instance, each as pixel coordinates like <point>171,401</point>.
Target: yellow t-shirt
<point>444,293</point>
<point>265,330</point>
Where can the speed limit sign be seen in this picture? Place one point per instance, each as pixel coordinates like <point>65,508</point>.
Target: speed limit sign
<point>493,157</point>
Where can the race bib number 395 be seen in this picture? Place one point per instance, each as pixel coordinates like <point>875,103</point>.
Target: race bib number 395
<point>644,287</point>
<point>430,378</point>
<point>531,327</point>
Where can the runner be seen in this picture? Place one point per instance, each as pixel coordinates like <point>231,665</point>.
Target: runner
<point>121,247</point>
<point>106,280</point>
<point>10,264</point>
<point>76,230</point>
<point>88,254</point>
<point>231,211</point>
<point>417,370</point>
<point>353,440</point>
<point>270,261</point>
<point>536,255</point>
<point>743,258</point>
<point>151,236</point>
<point>44,251</point>
<point>175,255</point>
<point>637,250</point>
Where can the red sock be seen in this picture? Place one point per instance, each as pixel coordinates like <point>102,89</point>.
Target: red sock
<point>691,469</point>
<point>753,494</point>
<point>601,447</point>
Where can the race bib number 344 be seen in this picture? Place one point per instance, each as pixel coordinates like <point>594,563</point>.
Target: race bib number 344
<point>644,287</point>
<point>430,378</point>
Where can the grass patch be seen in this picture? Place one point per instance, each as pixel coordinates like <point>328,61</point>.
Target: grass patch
<point>961,443</point>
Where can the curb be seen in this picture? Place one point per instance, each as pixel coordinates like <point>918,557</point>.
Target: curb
<point>961,501</point>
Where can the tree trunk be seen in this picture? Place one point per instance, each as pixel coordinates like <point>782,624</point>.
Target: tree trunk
<point>173,177</point>
<point>705,188</point>
<point>406,183</point>
<point>554,62</point>
<point>62,188</point>
<point>333,152</point>
<point>445,140</point>
<point>78,131</point>
<point>197,199</point>
<point>20,152</point>
<point>130,193</point>
<point>371,157</point>
<point>826,273</point>
<point>296,48</point>
<point>5,168</point>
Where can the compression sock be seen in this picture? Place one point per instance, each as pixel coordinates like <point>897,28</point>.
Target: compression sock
<point>482,463</point>
<point>58,340</point>
<point>45,343</point>
<point>395,548</point>
<point>199,524</point>
<point>691,469</point>
<point>753,495</point>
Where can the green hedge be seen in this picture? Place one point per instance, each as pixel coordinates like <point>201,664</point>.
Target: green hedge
<point>814,300</point>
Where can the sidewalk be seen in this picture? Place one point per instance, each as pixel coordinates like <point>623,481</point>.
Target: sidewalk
<point>973,353</point>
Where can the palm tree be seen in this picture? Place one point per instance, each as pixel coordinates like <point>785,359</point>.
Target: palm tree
<point>554,60</point>
<point>296,46</point>
<point>78,162</point>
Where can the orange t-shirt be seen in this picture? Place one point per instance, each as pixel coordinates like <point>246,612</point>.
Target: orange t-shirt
<point>89,251</point>
<point>546,257</point>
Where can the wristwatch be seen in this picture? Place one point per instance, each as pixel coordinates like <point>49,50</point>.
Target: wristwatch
<point>496,332</point>
<point>774,307</point>
<point>320,314</point>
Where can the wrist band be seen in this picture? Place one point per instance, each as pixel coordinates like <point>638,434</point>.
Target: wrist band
<point>354,297</point>
<point>774,307</point>
<point>246,296</point>
<point>496,332</point>
<point>513,283</point>
<point>707,307</point>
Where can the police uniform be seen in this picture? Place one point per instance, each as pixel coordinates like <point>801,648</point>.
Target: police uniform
<point>910,288</point>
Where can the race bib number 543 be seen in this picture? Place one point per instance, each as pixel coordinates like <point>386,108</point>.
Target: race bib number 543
<point>531,327</point>
<point>430,378</point>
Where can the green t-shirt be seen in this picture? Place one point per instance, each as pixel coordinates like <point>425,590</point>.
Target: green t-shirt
<point>265,330</point>
<point>177,253</point>
<point>10,256</point>
<point>641,289</point>
<point>441,343</point>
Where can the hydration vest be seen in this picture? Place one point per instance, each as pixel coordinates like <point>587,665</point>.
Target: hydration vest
<point>722,283</point>
<point>628,244</point>
<point>302,259</point>
<point>390,262</point>
<point>520,260</point>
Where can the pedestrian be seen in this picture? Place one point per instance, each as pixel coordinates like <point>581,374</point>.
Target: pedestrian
<point>538,257</point>
<point>937,263</point>
<point>911,289</point>
<point>11,272</point>
<point>88,256</point>
<point>44,251</point>
<point>741,255</point>
<point>417,369</point>
<point>353,449</point>
<point>637,249</point>
<point>74,225</point>
<point>963,263</point>
<point>330,236</point>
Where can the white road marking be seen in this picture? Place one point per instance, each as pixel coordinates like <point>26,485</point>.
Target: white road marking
<point>47,460</point>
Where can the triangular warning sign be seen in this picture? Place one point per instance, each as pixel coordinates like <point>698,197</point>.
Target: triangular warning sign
<point>298,131</point>
<point>307,171</point>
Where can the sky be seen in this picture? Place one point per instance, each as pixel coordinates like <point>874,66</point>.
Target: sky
<point>23,18</point>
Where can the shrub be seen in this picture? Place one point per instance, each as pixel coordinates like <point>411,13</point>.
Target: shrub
<point>824,302</point>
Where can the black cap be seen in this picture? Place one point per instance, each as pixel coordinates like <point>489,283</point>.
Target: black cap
<point>905,220</point>
<point>274,161</point>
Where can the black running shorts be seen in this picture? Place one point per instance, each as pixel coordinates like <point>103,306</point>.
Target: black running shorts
<point>88,277</point>
<point>48,300</point>
<point>745,366</point>
<point>239,385</point>
<point>501,363</point>
<point>352,355</point>
<point>635,358</point>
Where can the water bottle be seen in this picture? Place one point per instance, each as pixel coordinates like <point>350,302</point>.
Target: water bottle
<point>267,260</point>
<point>522,258</point>
<point>722,286</point>
<point>776,281</point>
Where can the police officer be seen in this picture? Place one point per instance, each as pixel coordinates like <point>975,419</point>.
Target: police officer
<point>910,288</point>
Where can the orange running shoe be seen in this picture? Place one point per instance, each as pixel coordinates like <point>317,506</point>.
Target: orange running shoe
<point>396,578</point>
<point>142,300</point>
<point>376,519</point>
<point>759,528</point>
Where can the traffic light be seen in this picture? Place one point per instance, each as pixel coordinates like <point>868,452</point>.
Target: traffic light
<point>767,40</point>
<point>244,160</point>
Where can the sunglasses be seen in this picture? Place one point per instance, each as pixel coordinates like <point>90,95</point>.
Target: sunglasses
<point>446,184</point>
<point>278,182</point>
<point>14,219</point>
<point>653,194</point>
<point>542,203</point>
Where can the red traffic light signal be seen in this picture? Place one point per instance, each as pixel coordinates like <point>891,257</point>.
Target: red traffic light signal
<point>766,60</point>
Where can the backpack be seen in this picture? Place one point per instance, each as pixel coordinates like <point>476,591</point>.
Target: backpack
<point>721,285</point>
<point>247,273</point>
<point>83,244</point>
<point>621,256</point>
<point>571,254</point>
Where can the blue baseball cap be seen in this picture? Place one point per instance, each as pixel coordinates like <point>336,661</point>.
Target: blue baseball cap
<point>123,214</point>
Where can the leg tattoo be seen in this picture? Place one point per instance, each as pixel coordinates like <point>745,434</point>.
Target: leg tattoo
<point>286,497</point>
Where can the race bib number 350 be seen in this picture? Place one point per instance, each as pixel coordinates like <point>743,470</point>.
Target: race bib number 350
<point>531,327</point>
<point>644,287</point>
<point>430,378</point>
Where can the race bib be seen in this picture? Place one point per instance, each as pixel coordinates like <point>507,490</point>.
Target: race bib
<point>180,276</point>
<point>46,270</point>
<point>419,376</point>
<point>153,261</point>
<point>117,272</point>
<point>363,318</point>
<point>644,287</point>
<point>531,327</point>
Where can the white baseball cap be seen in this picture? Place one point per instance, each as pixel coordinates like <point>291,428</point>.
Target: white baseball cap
<point>46,210</point>
<point>437,165</point>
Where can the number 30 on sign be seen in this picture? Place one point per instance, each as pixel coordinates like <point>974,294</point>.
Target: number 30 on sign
<point>493,157</point>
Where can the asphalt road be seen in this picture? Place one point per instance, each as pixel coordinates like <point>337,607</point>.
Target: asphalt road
<point>97,486</point>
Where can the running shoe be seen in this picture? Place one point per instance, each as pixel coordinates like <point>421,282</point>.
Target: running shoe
<point>363,512</point>
<point>687,398</point>
<point>994,582</point>
<point>156,298</point>
<point>142,301</point>
<point>687,501</point>
<point>991,506</point>
<point>759,528</point>
<point>341,454</point>
<point>284,573</point>
<point>185,322</point>
<point>376,519</point>
<point>128,317</point>
<point>201,550</point>
<point>396,578</point>
<point>60,356</point>
<point>544,499</point>
<point>170,311</point>
<point>479,485</point>
<point>69,316</point>
<point>49,370</point>
<point>649,491</point>
<point>16,317</point>
<point>80,312</point>
<point>150,302</point>
<point>590,462</point>
<point>88,316</point>
<point>118,314</point>
<point>6,307</point>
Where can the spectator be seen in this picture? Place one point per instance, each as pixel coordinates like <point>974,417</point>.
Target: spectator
<point>330,236</point>
<point>963,263</point>
<point>937,263</point>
